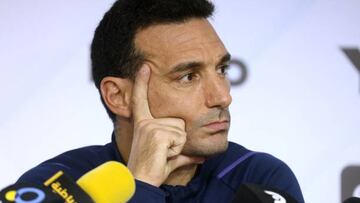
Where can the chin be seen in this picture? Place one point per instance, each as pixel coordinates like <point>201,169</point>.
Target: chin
<point>206,147</point>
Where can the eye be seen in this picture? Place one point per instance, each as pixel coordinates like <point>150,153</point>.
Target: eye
<point>187,78</point>
<point>223,70</point>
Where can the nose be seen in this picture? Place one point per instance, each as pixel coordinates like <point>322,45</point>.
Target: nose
<point>217,92</point>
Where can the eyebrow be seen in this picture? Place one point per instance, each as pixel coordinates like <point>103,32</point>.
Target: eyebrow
<point>225,59</point>
<point>182,67</point>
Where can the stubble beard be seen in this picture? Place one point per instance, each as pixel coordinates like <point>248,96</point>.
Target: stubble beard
<point>200,144</point>
<point>206,150</point>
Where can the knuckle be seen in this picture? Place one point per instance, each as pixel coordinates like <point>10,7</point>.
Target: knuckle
<point>180,137</point>
<point>180,123</point>
<point>157,134</point>
<point>183,137</point>
<point>144,127</point>
<point>143,124</point>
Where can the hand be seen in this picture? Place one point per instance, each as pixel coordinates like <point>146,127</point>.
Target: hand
<point>157,143</point>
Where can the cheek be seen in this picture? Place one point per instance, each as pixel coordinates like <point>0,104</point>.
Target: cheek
<point>170,102</point>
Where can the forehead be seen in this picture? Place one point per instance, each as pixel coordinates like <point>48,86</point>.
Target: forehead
<point>167,44</point>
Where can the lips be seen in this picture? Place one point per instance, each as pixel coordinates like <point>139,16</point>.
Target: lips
<point>218,125</point>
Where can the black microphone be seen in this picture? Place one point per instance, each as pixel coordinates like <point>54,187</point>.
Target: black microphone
<point>251,193</point>
<point>352,200</point>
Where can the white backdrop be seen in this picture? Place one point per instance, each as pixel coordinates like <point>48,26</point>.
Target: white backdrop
<point>300,101</point>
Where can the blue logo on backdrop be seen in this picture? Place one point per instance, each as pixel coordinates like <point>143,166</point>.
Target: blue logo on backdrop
<point>237,73</point>
<point>354,56</point>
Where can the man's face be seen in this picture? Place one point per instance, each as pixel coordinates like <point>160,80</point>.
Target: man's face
<point>188,80</point>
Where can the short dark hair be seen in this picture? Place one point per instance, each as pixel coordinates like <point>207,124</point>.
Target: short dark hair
<point>113,52</point>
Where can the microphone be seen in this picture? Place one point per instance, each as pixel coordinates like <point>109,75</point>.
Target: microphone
<point>28,192</point>
<point>110,182</point>
<point>66,188</point>
<point>352,200</point>
<point>259,194</point>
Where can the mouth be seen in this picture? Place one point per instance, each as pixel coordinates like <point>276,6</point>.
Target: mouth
<point>218,126</point>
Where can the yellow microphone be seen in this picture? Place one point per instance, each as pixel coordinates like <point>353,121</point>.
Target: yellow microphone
<point>111,182</point>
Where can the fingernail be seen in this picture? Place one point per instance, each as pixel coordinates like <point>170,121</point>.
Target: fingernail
<point>145,69</point>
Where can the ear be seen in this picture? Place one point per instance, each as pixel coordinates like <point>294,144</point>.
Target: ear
<point>116,93</point>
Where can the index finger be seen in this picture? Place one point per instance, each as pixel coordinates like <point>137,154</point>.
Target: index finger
<point>140,101</point>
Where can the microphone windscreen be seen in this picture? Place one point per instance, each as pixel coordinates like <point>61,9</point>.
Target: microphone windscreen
<point>111,182</point>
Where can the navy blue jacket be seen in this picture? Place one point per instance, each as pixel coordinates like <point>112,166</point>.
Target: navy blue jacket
<point>216,180</point>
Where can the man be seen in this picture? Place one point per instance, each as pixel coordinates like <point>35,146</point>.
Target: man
<point>161,71</point>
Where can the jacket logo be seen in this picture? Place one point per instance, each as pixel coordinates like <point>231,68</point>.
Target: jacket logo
<point>277,197</point>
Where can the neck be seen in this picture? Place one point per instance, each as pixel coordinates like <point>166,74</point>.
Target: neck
<point>123,136</point>
<point>182,175</point>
